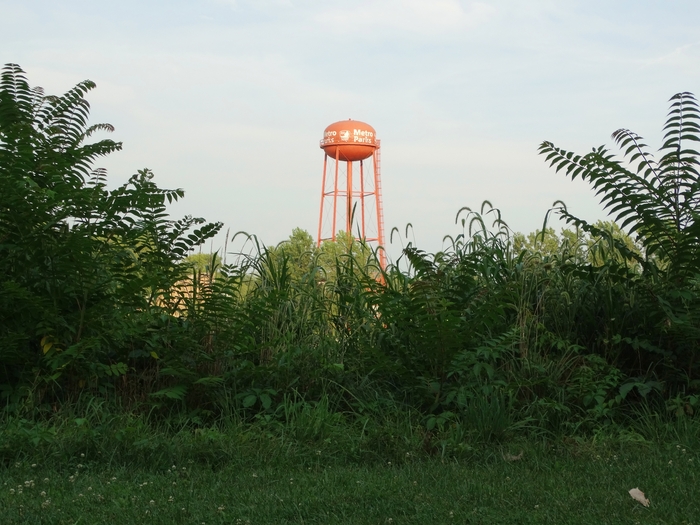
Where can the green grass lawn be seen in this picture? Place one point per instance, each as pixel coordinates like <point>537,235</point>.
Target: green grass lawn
<point>572,484</point>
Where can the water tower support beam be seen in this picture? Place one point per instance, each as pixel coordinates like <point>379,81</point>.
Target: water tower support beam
<point>348,215</point>
<point>362,197</point>
<point>323,198</point>
<point>335,193</point>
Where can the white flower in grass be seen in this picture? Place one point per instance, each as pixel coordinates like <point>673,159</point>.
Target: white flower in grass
<point>151,502</point>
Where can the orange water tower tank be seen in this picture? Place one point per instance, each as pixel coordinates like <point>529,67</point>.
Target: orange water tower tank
<point>351,140</point>
<point>351,188</point>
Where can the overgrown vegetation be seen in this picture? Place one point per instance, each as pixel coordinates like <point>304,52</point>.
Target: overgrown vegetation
<point>497,336</point>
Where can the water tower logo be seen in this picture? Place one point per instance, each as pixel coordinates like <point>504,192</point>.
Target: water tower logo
<point>347,200</point>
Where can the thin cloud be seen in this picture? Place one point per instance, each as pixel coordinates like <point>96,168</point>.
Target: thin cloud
<point>255,4</point>
<point>682,55</point>
<point>410,16</point>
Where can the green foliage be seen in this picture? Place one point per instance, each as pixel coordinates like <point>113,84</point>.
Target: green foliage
<point>84,270</point>
<point>101,297</point>
<point>657,200</point>
<point>595,249</point>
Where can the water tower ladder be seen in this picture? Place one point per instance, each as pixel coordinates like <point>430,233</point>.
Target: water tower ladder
<point>378,196</point>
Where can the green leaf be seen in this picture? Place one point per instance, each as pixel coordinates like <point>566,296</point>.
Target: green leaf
<point>266,401</point>
<point>174,392</point>
<point>249,400</point>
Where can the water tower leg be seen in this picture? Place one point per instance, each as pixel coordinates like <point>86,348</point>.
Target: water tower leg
<point>348,215</point>
<point>323,198</point>
<point>362,198</point>
<point>335,193</point>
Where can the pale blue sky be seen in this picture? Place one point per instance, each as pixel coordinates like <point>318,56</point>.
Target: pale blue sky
<point>229,98</point>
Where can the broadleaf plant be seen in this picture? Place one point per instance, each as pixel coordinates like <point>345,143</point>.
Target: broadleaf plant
<point>655,199</point>
<point>81,266</point>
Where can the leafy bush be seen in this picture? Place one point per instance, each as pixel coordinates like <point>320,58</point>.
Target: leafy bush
<point>85,272</point>
<point>657,200</point>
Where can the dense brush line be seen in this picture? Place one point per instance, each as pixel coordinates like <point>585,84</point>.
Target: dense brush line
<point>98,297</point>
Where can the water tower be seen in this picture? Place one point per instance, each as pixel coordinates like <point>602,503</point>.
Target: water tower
<point>351,192</point>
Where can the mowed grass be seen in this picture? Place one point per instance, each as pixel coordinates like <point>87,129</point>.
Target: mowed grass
<point>564,484</point>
